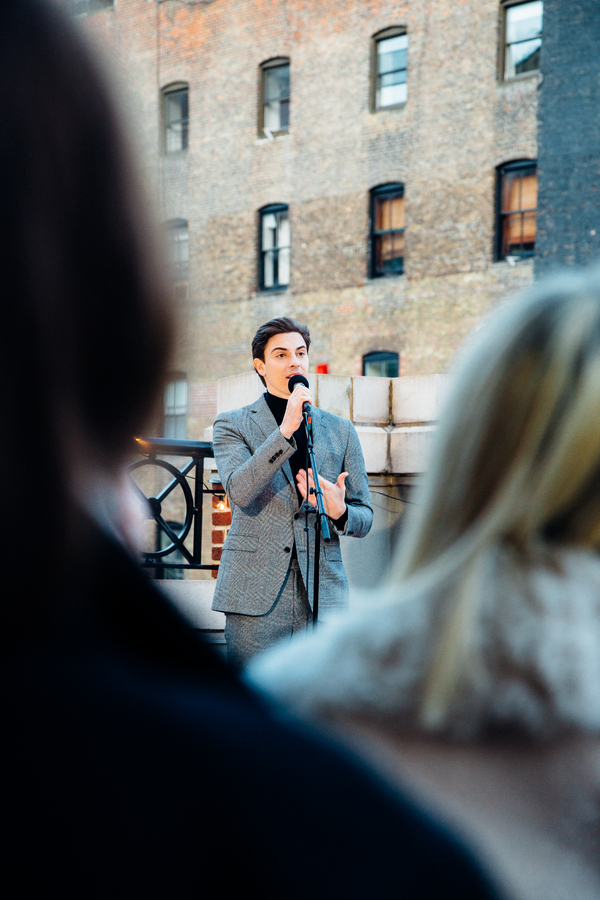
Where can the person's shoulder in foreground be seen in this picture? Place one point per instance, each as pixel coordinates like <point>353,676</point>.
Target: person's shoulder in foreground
<point>163,775</point>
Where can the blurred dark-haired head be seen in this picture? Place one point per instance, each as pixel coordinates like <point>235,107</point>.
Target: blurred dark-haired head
<point>85,325</point>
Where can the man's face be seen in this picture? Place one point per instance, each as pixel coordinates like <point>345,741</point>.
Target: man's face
<point>285,355</point>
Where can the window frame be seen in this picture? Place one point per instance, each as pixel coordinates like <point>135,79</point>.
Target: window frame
<point>505,5</point>
<point>82,8</point>
<point>517,165</point>
<point>385,34</point>
<point>383,191</point>
<point>381,356</point>
<point>174,88</point>
<point>278,62</point>
<point>262,251</point>
<point>175,417</point>
<point>180,270</point>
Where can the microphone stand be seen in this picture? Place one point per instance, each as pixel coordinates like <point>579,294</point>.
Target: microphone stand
<point>321,522</point>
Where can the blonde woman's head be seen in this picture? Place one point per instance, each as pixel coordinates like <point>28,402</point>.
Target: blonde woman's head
<point>516,461</point>
<point>517,453</point>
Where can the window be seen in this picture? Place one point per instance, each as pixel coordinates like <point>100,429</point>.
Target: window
<point>522,38</point>
<point>274,247</point>
<point>85,7</point>
<point>517,202</point>
<point>178,248</point>
<point>275,97</point>
<point>175,118</point>
<point>175,408</point>
<point>390,58</point>
<point>384,363</point>
<point>387,230</point>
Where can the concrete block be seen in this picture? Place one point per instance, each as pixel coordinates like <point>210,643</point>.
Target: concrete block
<point>409,448</point>
<point>333,394</point>
<point>193,599</point>
<point>238,390</point>
<point>371,400</point>
<point>417,398</point>
<point>374,442</point>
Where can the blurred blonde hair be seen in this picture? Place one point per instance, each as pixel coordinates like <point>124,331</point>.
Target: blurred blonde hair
<point>516,459</point>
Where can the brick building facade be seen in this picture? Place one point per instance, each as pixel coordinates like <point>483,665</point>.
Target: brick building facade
<point>457,116</point>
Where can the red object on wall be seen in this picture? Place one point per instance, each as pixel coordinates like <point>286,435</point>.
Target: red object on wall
<point>322,369</point>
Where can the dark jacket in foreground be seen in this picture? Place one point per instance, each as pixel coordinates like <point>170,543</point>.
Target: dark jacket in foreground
<point>136,765</point>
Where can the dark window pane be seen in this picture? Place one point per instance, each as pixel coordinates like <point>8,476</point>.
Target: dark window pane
<point>284,114</point>
<point>511,192</point>
<point>512,234</point>
<point>176,120</point>
<point>175,408</point>
<point>392,55</point>
<point>392,94</point>
<point>268,268</point>
<point>397,212</point>
<point>383,364</point>
<point>276,98</point>
<point>524,21</point>
<point>389,254</point>
<point>523,57</point>
<point>283,269</point>
<point>393,78</point>
<point>529,191</point>
<point>518,201</point>
<point>388,233</point>
<point>275,249</point>
<point>83,7</point>
<point>399,248</point>
<point>175,427</point>
<point>392,62</point>
<point>523,38</point>
<point>380,210</point>
<point>528,231</point>
<point>178,245</point>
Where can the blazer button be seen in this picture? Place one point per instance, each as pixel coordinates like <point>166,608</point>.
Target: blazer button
<point>296,515</point>
<point>286,549</point>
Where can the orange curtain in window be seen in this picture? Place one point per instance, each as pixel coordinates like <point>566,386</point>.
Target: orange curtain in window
<point>389,214</point>
<point>519,193</point>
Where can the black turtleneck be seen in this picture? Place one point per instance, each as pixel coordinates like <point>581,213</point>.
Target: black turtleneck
<point>297,460</point>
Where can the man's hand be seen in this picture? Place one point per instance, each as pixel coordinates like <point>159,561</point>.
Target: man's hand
<point>333,494</point>
<point>293,411</point>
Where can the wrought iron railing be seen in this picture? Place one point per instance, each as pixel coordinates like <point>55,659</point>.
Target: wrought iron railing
<point>182,538</point>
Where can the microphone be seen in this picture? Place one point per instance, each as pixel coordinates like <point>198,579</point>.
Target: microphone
<point>299,379</point>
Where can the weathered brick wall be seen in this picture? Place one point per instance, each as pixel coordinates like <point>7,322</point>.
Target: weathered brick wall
<point>459,123</point>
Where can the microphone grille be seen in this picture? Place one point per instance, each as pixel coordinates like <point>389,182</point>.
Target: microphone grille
<point>297,379</point>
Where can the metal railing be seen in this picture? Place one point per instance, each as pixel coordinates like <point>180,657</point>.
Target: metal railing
<point>152,449</point>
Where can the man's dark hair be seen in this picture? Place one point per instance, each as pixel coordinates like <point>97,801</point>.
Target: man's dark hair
<point>283,325</point>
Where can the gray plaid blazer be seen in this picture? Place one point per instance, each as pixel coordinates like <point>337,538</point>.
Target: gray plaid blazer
<point>252,458</point>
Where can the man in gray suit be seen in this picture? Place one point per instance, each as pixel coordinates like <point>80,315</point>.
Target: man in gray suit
<point>265,582</point>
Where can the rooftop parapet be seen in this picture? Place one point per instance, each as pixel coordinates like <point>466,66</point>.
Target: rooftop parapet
<point>394,417</point>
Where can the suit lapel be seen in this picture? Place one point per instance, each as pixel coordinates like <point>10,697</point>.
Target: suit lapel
<point>263,416</point>
<point>319,438</point>
<point>265,420</point>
